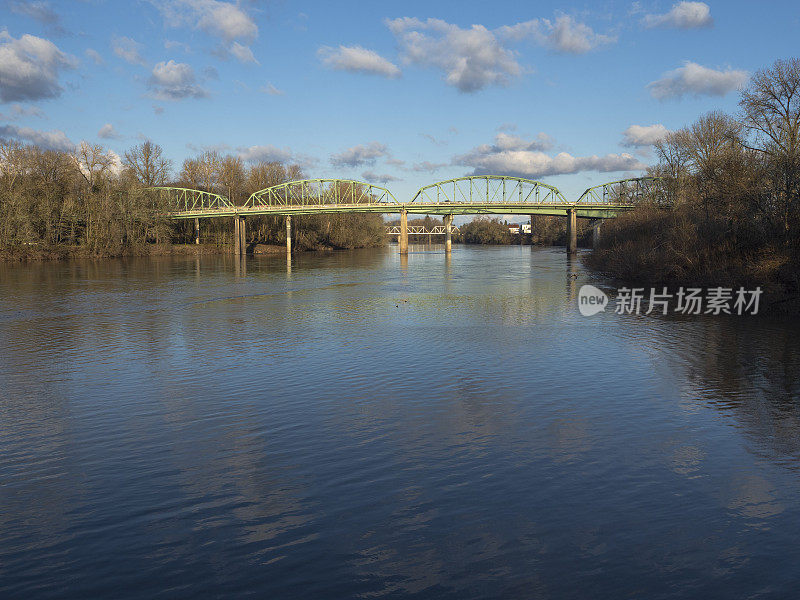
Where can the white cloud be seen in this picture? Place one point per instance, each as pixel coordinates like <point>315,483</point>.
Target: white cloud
<point>371,176</point>
<point>220,19</point>
<point>360,155</point>
<point>684,15</point>
<point>475,58</point>
<point>697,80</point>
<point>108,132</point>
<point>568,36</point>
<point>174,81</point>
<point>270,153</point>
<point>49,140</point>
<point>471,59</point>
<point>272,90</point>
<point>228,21</point>
<point>511,155</point>
<point>243,53</point>
<point>29,68</point>
<point>563,34</point>
<point>128,49</point>
<point>95,56</point>
<point>507,142</point>
<point>357,60</point>
<point>644,135</point>
<point>115,162</point>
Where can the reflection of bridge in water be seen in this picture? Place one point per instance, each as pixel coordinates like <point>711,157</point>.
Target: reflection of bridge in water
<point>485,194</point>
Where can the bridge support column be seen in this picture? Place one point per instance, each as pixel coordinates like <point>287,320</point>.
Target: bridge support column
<point>242,236</point>
<point>197,231</point>
<point>596,232</point>
<point>403,239</point>
<point>288,235</point>
<point>572,231</point>
<point>237,238</point>
<point>448,225</point>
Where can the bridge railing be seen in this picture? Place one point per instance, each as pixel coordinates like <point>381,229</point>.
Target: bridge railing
<point>321,192</point>
<point>186,199</point>
<point>636,190</point>
<point>489,189</point>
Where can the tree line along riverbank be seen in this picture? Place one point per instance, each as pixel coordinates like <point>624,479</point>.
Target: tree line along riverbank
<point>90,202</point>
<point>735,184</point>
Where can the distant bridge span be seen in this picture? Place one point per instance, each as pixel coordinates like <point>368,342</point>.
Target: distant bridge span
<point>420,230</point>
<point>477,194</point>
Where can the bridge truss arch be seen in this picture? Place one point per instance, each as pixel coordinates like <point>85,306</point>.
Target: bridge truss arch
<point>636,190</point>
<point>488,189</point>
<point>188,200</point>
<point>312,193</point>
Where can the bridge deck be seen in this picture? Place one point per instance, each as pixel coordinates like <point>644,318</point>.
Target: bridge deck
<point>556,209</point>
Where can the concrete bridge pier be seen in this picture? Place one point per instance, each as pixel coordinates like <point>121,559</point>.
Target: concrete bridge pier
<point>448,226</point>
<point>596,232</point>
<point>197,231</point>
<point>572,231</point>
<point>237,236</point>
<point>403,239</point>
<point>288,235</point>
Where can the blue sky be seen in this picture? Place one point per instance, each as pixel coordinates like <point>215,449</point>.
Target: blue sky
<point>397,93</point>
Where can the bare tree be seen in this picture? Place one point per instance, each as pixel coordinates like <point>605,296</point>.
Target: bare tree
<point>190,175</point>
<point>265,174</point>
<point>231,177</point>
<point>771,113</point>
<point>147,164</point>
<point>208,169</point>
<point>93,163</point>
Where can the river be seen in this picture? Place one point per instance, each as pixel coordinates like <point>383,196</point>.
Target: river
<point>361,425</point>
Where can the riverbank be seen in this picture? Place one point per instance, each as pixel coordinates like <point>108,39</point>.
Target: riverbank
<point>685,247</point>
<point>35,253</point>
<point>45,253</point>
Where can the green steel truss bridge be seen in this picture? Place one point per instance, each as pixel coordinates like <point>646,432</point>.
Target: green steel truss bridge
<point>483,194</point>
<point>629,192</point>
<point>477,194</point>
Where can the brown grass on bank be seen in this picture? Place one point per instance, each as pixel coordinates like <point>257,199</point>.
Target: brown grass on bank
<point>686,247</point>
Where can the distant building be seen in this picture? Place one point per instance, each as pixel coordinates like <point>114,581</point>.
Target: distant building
<point>526,228</point>
<point>513,228</point>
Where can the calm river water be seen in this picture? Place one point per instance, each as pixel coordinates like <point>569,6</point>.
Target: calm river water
<point>362,426</point>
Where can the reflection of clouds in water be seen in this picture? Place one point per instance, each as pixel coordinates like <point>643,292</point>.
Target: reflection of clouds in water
<point>687,460</point>
<point>729,560</point>
<point>569,437</point>
<point>752,497</point>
